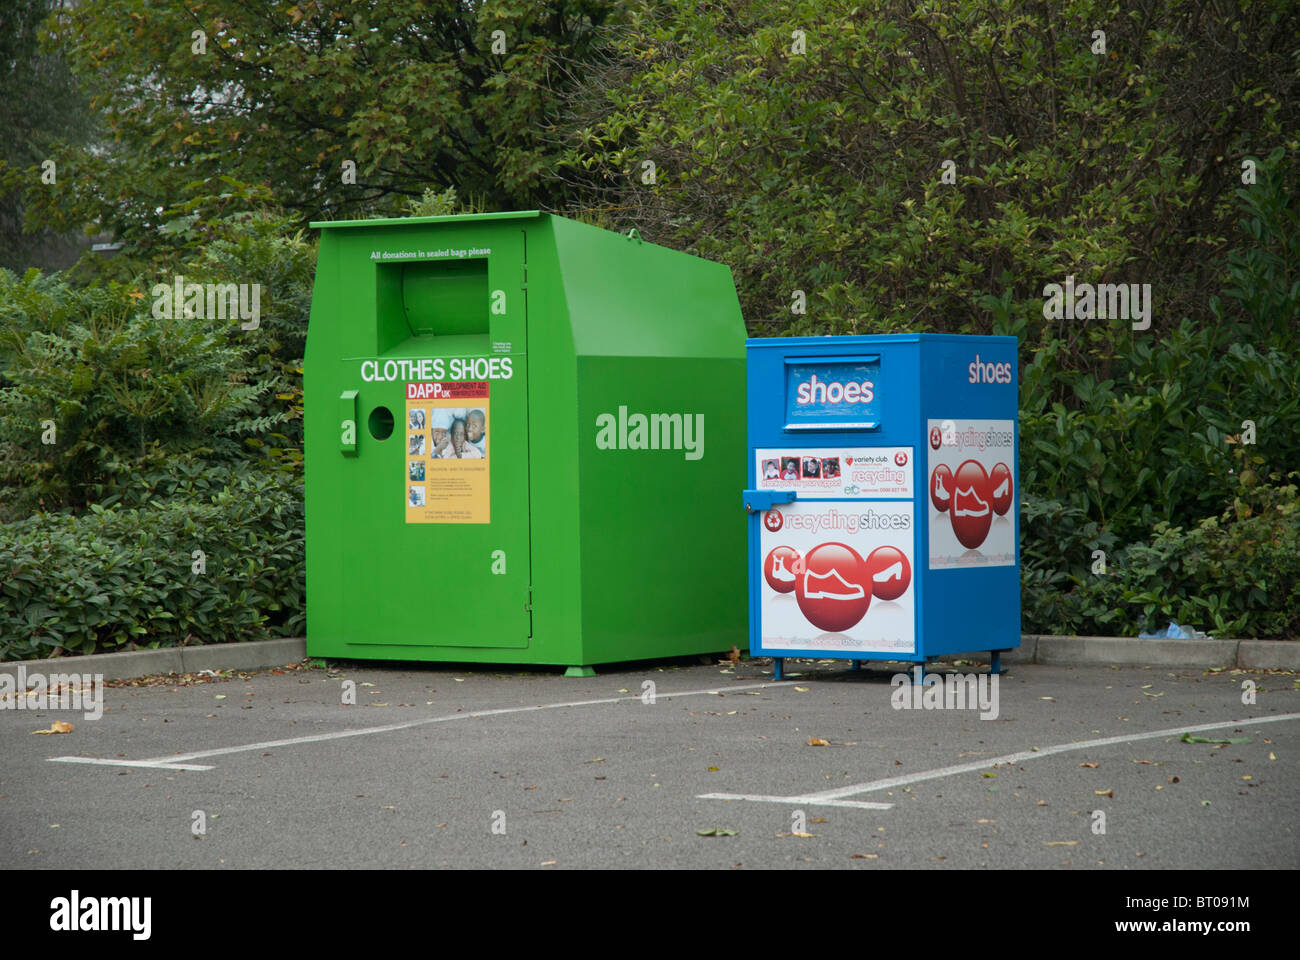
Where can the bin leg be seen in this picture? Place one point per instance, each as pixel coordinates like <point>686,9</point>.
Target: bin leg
<point>855,664</point>
<point>918,673</point>
<point>995,665</point>
<point>580,672</point>
<point>777,664</point>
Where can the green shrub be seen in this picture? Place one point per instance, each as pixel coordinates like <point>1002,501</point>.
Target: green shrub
<point>1232,575</point>
<point>120,577</point>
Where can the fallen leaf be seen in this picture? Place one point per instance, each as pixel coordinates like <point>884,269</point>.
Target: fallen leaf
<point>817,742</point>
<point>1090,766</point>
<point>988,774</point>
<point>1188,738</point>
<point>596,760</point>
<point>1061,843</point>
<point>802,689</point>
<point>864,856</point>
<point>713,769</point>
<point>58,726</point>
<point>1171,780</point>
<point>716,832</point>
<point>1105,793</point>
<point>1271,756</point>
<point>985,821</point>
<point>548,863</point>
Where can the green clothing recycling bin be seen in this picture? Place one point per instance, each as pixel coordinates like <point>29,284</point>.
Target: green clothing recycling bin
<point>524,435</point>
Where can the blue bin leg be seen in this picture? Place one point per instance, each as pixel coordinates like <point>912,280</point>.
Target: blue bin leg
<point>995,666</point>
<point>777,664</point>
<point>855,664</point>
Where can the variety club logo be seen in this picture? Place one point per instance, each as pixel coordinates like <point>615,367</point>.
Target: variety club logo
<point>834,585</point>
<point>971,497</point>
<point>900,458</point>
<point>936,438</point>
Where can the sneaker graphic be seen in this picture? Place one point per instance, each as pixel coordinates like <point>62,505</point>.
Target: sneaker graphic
<point>779,572</point>
<point>892,572</point>
<point>839,588</point>
<point>980,508</point>
<point>1001,491</point>
<point>939,491</point>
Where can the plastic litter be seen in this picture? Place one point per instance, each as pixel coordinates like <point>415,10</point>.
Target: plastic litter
<point>1175,632</point>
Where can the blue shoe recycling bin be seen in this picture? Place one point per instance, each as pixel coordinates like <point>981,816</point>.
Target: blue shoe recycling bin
<point>883,497</point>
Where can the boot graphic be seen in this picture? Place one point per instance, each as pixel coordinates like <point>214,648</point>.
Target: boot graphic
<point>831,586</point>
<point>939,491</point>
<point>779,572</point>
<point>1002,488</point>
<point>892,572</point>
<point>973,507</point>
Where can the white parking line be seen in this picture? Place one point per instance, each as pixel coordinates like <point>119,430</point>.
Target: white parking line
<point>178,761</point>
<point>151,764</point>
<point>807,801</point>
<point>836,797</point>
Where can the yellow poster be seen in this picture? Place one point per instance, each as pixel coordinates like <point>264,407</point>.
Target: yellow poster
<point>447,477</point>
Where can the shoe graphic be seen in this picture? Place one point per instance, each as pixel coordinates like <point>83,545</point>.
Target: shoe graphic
<point>892,572</point>
<point>979,509</point>
<point>1001,491</point>
<point>939,491</point>
<point>839,588</point>
<point>779,572</point>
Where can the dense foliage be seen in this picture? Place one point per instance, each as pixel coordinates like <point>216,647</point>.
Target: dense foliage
<point>862,167</point>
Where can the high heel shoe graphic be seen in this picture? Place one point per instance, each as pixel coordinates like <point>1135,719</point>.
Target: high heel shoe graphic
<point>892,572</point>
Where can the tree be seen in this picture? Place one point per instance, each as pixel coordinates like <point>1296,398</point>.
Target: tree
<point>340,109</point>
<point>40,107</point>
<point>901,162</point>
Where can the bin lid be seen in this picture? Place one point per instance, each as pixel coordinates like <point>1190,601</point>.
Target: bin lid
<point>451,218</point>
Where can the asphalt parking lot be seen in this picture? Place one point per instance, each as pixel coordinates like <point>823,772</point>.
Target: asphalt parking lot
<point>434,766</point>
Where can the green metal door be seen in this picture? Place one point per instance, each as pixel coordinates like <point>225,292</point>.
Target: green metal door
<point>441,466</point>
